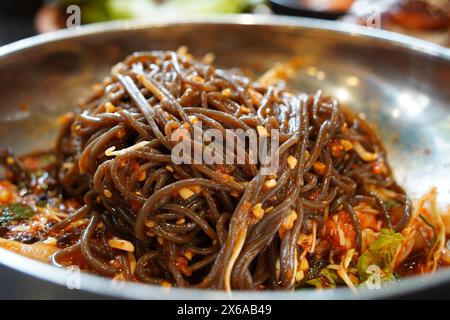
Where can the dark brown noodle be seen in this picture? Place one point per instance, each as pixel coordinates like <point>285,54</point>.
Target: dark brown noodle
<point>135,193</point>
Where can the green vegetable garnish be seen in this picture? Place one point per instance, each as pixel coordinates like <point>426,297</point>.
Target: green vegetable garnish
<point>15,211</point>
<point>103,10</point>
<point>391,204</point>
<point>328,278</point>
<point>380,253</point>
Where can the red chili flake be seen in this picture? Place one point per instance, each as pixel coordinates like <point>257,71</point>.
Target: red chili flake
<point>319,168</point>
<point>377,167</point>
<point>182,265</point>
<point>8,192</point>
<point>246,205</point>
<point>342,222</point>
<point>337,149</point>
<point>313,196</point>
<point>368,220</point>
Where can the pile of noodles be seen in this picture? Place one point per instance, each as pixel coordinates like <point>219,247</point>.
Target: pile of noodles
<point>214,226</point>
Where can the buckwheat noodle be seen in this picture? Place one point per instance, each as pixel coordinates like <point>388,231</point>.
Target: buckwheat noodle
<point>212,239</point>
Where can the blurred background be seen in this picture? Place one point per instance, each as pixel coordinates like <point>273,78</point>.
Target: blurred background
<point>426,19</point>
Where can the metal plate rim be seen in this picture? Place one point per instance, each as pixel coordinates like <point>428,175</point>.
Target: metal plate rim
<point>104,286</point>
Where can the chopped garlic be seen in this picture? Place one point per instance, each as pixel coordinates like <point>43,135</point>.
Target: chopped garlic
<point>186,193</point>
<point>245,110</point>
<point>292,162</point>
<point>262,131</point>
<point>304,265</point>
<point>121,244</point>
<point>226,92</point>
<point>299,275</point>
<point>258,211</point>
<point>270,183</point>
<point>182,50</point>
<point>288,222</point>
<point>208,58</point>
<point>193,119</point>
<point>346,144</point>
<point>150,223</point>
<point>188,254</point>
<point>109,107</point>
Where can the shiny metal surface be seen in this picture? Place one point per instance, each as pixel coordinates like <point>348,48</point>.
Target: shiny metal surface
<point>400,84</point>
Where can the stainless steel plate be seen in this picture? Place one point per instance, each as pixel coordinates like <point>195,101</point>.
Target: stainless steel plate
<point>400,84</point>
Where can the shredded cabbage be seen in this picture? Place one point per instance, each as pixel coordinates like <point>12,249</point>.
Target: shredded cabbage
<point>381,253</point>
